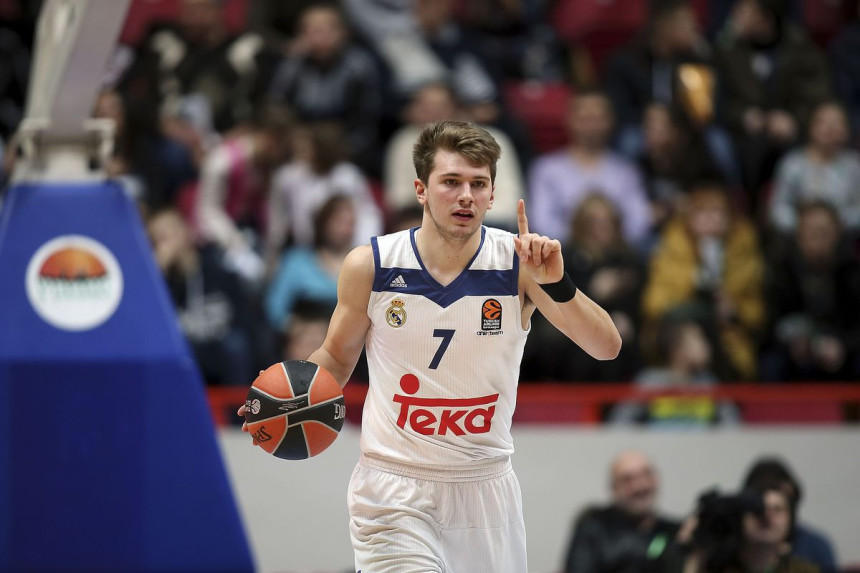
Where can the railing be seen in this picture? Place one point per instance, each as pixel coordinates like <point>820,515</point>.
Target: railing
<point>568,403</point>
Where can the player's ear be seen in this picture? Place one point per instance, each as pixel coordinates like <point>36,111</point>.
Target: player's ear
<point>492,197</point>
<point>421,191</point>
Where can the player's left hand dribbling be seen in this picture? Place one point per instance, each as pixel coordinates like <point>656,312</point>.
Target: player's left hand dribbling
<point>539,255</point>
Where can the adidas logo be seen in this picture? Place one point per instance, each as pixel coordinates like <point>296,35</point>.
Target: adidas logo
<point>398,282</point>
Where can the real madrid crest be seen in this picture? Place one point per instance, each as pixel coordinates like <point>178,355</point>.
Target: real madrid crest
<point>396,314</point>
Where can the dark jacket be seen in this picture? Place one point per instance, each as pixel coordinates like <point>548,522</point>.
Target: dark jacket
<point>607,540</point>
<point>798,80</point>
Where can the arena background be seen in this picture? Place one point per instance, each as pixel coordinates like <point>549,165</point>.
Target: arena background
<point>293,513</point>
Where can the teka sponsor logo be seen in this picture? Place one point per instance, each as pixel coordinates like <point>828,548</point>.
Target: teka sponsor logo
<point>443,416</point>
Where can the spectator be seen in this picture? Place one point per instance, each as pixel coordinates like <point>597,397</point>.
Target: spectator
<point>391,27</point>
<point>317,172</point>
<point>845,66</point>
<point>311,273</point>
<point>326,77</point>
<point>606,267</point>
<point>198,55</point>
<point>213,311</point>
<point>772,74</point>
<point>673,157</point>
<point>824,170</point>
<point>435,102</point>
<point>230,203</point>
<point>685,364</point>
<point>629,535</point>
<point>708,259</point>
<point>308,325</point>
<point>560,180</point>
<point>806,542</point>
<point>152,168</point>
<point>747,534</point>
<point>812,291</point>
<point>671,64</point>
<point>467,70</point>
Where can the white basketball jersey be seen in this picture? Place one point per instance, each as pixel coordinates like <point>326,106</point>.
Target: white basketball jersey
<point>443,361</point>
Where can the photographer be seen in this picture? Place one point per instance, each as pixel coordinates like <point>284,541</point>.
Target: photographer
<point>744,533</point>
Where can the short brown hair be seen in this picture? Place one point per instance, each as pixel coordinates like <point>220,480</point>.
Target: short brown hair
<point>472,142</point>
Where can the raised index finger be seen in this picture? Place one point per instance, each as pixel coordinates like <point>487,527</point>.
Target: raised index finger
<point>522,220</point>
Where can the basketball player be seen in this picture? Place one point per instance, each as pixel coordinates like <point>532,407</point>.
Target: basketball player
<point>444,311</point>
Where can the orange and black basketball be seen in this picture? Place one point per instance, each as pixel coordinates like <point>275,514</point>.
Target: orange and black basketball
<point>492,309</point>
<point>294,409</point>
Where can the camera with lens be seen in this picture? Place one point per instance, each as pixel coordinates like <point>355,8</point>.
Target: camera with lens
<point>719,531</point>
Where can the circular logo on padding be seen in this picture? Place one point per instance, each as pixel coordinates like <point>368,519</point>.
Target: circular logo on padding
<point>74,283</point>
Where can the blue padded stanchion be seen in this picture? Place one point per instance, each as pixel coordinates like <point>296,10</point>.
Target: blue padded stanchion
<point>108,457</point>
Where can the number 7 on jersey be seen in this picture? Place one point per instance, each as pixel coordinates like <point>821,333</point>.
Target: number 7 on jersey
<point>446,335</point>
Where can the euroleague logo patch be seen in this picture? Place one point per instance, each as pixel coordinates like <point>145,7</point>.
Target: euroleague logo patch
<point>491,315</point>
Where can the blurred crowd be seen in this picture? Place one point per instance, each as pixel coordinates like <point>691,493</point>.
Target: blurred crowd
<point>697,158</point>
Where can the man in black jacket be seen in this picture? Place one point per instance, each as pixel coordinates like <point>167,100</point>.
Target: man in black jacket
<point>628,535</point>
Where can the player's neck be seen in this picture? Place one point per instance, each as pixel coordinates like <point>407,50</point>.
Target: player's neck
<point>445,257</point>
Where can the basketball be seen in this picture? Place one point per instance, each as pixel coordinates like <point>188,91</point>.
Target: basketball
<point>294,409</point>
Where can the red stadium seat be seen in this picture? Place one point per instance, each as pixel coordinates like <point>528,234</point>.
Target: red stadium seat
<point>823,19</point>
<point>600,26</point>
<point>542,107</point>
<point>143,13</point>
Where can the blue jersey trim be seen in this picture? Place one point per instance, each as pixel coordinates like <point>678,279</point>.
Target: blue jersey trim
<point>470,282</point>
<point>377,262</point>
<point>453,284</point>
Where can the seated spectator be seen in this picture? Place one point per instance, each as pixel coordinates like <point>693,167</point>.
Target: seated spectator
<point>229,205</point>
<point>845,66</point>
<point>806,542</point>
<point>814,311</point>
<point>151,167</point>
<point>435,102</point>
<point>746,534</point>
<point>213,310</point>
<point>670,64</point>
<point>560,180</point>
<point>308,325</point>
<point>825,169</point>
<point>673,157</point>
<point>600,261</point>
<point>771,75</point>
<point>708,258</point>
<point>325,77</point>
<point>318,171</point>
<point>197,54</point>
<point>628,535</point>
<point>647,69</point>
<point>311,273</point>
<point>685,365</point>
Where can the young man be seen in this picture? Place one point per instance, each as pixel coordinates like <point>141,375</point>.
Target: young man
<point>444,312</point>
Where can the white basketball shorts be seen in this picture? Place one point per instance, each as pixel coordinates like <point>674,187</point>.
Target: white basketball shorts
<point>405,519</point>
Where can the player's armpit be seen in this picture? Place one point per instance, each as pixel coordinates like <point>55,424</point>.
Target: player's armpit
<point>349,322</point>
